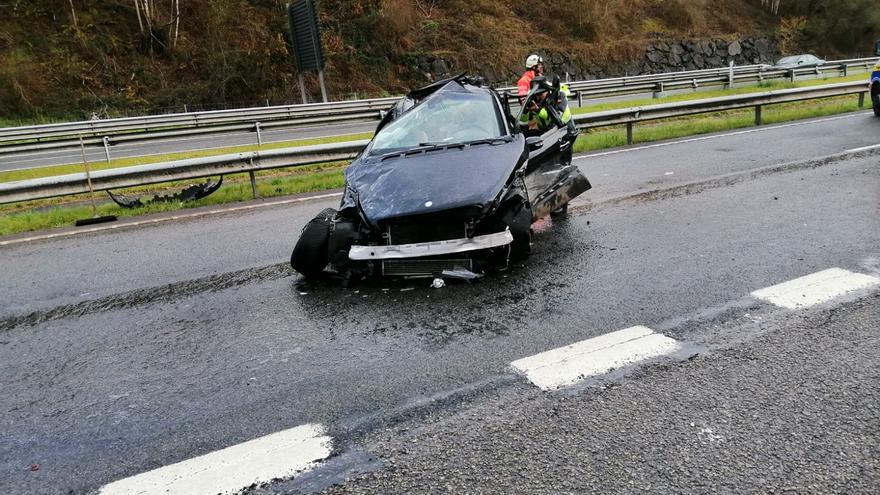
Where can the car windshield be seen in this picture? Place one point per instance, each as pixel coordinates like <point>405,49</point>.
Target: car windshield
<point>447,117</point>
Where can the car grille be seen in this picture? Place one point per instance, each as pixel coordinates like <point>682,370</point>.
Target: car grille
<point>413,232</point>
<point>423,267</point>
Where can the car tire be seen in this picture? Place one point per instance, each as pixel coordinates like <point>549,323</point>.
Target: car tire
<point>877,110</point>
<point>519,220</point>
<point>310,255</point>
<point>559,213</point>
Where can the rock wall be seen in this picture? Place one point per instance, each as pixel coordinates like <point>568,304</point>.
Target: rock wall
<point>660,56</point>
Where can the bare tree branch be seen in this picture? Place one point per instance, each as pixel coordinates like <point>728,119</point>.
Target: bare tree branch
<point>137,8</point>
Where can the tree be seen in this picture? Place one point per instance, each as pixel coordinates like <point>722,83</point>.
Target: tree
<point>151,26</point>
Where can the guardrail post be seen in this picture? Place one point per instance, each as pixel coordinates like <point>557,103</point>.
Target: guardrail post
<point>730,76</point>
<point>658,91</point>
<point>580,99</point>
<point>259,134</point>
<point>758,119</point>
<point>106,141</point>
<point>861,100</point>
<point>253,180</point>
<point>629,133</point>
<point>845,69</point>
<point>791,76</point>
<point>82,148</point>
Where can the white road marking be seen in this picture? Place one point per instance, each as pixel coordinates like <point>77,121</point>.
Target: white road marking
<point>570,364</point>
<point>716,136</point>
<point>278,455</point>
<point>816,288</point>
<point>863,148</point>
<point>167,219</point>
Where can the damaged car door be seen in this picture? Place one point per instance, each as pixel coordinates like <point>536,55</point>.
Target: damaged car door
<point>551,179</point>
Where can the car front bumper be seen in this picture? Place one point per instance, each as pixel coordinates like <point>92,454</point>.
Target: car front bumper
<point>435,248</point>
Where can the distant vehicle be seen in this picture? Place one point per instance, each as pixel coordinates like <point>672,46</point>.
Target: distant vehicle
<point>798,61</point>
<point>449,186</point>
<point>874,87</point>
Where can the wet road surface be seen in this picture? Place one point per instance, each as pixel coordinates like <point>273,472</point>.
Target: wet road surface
<point>125,351</point>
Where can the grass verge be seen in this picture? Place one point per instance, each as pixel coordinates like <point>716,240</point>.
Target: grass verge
<point>611,137</point>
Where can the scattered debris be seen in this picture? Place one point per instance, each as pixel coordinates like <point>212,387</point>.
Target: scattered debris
<point>461,274</point>
<point>35,467</point>
<point>438,283</point>
<point>191,192</point>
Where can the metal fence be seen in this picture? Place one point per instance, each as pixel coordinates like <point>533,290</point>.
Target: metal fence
<point>111,131</point>
<point>305,155</point>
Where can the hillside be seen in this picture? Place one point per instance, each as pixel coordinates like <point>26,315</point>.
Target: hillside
<point>69,59</point>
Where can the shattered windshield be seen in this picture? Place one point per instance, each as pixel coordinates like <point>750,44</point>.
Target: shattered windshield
<point>447,117</point>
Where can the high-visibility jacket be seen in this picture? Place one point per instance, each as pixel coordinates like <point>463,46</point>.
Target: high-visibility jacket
<point>524,85</point>
<point>542,119</point>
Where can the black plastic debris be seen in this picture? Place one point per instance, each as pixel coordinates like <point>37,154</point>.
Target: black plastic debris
<point>192,192</point>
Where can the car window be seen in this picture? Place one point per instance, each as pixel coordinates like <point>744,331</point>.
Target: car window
<point>787,60</point>
<point>447,117</point>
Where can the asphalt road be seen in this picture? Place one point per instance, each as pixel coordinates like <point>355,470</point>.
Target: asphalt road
<point>131,349</point>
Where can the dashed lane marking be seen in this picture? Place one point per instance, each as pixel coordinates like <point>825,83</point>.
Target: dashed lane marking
<point>570,364</point>
<point>816,288</point>
<point>278,455</point>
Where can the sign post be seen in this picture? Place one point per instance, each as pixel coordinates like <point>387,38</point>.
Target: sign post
<point>305,35</point>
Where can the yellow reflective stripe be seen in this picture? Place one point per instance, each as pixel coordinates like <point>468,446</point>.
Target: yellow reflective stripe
<point>566,115</point>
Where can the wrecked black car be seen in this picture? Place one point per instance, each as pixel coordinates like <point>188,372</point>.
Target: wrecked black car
<point>448,187</point>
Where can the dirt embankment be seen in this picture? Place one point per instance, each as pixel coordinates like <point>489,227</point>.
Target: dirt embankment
<point>69,59</point>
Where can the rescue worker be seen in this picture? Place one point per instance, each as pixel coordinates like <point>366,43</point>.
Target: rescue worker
<point>534,68</point>
<point>536,115</point>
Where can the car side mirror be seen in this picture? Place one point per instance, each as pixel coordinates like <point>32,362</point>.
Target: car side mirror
<point>534,143</point>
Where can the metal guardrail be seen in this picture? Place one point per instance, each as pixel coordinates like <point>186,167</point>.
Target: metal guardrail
<point>305,155</point>
<point>111,131</point>
<point>632,115</point>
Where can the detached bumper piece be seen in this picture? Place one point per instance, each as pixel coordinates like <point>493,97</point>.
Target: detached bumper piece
<point>436,248</point>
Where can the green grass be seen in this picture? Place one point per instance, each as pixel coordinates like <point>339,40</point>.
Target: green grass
<point>34,173</point>
<point>44,214</point>
<point>235,188</point>
<point>610,137</point>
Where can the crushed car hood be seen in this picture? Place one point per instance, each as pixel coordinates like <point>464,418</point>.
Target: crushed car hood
<point>401,185</point>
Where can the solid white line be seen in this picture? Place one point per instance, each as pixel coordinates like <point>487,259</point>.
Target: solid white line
<point>167,219</point>
<point>816,288</point>
<point>863,148</point>
<point>716,136</point>
<point>278,455</point>
<point>570,364</point>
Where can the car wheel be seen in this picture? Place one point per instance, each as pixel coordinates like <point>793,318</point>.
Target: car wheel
<point>560,213</point>
<point>519,220</point>
<point>310,255</point>
<point>877,110</point>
